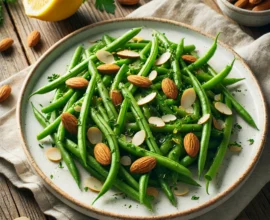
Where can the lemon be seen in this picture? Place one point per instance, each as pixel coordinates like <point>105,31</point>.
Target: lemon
<point>51,10</point>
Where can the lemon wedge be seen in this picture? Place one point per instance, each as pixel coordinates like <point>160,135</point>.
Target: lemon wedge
<point>51,10</point>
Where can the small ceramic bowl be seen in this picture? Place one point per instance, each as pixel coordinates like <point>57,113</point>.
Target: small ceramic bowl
<point>243,16</point>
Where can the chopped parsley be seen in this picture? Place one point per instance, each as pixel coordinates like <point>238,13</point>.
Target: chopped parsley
<point>51,176</point>
<point>195,198</point>
<point>235,144</point>
<point>236,125</point>
<point>251,141</point>
<point>61,165</point>
<point>41,146</point>
<point>53,77</point>
<point>86,189</point>
<point>107,5</point>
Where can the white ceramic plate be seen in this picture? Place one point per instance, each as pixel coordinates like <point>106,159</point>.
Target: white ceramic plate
<point>235,168</point>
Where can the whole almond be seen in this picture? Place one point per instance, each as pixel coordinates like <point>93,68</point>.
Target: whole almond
<point>254,2</point>
<point>5,91</point>
<point>265,5</point>
<point>70,122</point>
<point>5,44</point>
<point>191,144</point>
<point>108,68</point>
<point>128,2</point>
<point>77,82</point>
<point>143,165</point>
<point>33,38</point>
<point>102,154</point>
<point>241,3</point>
<point>139,81</point>
<point>169,88</point>
<point>189,58</point>
<point>116,97</point>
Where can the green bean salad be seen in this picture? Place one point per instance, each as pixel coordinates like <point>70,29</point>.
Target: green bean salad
<point>136,114</point>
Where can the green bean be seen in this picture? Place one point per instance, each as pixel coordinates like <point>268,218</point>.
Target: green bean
<point>204,59</point>
<point>107,39</point>
<point>83,65</point>
<point>161,104</point>
<point>238,107</point>
<point>96,46</point>
<point>163,161</point>
<point>119,77</point>
<point>143,183</point>
<point>146,111</point>
<point>221,149</point>
<point>177,151</point>
<point>85,110</point>
<point>135,45</point>
<point>110,136</point>
<point>179,111</point>
<point>162,70</point>
<point>177,74</point>
<point>196,107</point>
<point>128,178</point>
<point>187,161</point>
<point>206,131</point>
<point>167,190</point>
<point>121,62</point>
<point>52,127</point>
<point>118,128</point>
<point>144,52</point>
<point>54,114</point>
<point>65,155</point>
<point>179,50</point>
<point>167,145</point>
<point>164,40</point>
<point>102,111</point>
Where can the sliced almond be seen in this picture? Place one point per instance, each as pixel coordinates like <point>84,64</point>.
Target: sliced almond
<point>203,119</point>
<point>158,122</point>
<point>234,148</point>
<point>153,75</point>
<point>217,97</point>
<point>108,68</point>
<point>180,189</point>
<point>125,161</point>
<point>223,108</point>
<point>168,118</point>
<point>147,99</point>
<point>105,57</point>
<point>139,138</point>
<point>53,154</point>
<point>128,139</point>
<point>189,58</point>
<point>139,81</point>
<point>152,191</point>
<point>189,110</point>
<point>188,98</point>
<point>163,58</point>
<point>218,124</point>
<point>77,108</point>
<point>94,135</point>
<point>93,184</point>
<point>137,38</point>
<point>125,54</point>
<point>77,82</point>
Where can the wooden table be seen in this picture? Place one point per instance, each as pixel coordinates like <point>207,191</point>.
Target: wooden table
<point>18,202</point>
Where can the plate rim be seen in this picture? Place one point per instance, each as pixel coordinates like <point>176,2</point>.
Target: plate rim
<point>222,196</point>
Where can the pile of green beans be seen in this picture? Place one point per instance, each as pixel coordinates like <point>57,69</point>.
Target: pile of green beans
<point>121,119</point>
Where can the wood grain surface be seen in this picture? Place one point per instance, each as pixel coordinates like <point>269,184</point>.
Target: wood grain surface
<point>17,202</point>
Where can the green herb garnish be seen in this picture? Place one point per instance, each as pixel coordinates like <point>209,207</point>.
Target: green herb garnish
<point>195,198</point>
<point>251,141</point>
<point>53,77</point>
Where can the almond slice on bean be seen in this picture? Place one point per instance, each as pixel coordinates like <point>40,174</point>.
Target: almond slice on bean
<point>163,58</point>
<point>77,108</point>
<point>105,57</point>
<point>94,135</point>
<point>223,108</point>
<point>180,189</point>
<point>168,118</point>
<point>153,75</point>
<point>125,161</point>
<point>204,119</point>
<point>125,54</point>
<point>152,191</point>
<point>234,148</point>
<point>139,138</point>
<point>147,99</point>
<point>53,154</point>
<point>93,184</point>
<point>218,124</point>
<point>188,98</point>
<point>137,39</point>
<point>189,110</point>
<point>158,122</point>
<point>217,97</point>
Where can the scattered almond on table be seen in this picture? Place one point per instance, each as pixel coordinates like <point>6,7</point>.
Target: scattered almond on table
<point>5,44</point>
<point>5,91</point>
<point>252,5</point>
<point>33,38</point>
<point>128,2</point>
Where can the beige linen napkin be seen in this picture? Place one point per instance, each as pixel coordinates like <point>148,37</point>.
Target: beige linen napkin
<point>14,165</point>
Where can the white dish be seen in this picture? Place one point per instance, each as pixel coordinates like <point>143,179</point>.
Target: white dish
<point>235,168</point>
